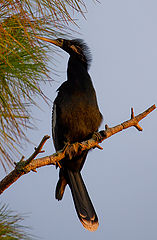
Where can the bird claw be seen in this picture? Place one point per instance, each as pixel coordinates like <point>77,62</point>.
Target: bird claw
<point>71,149</point>
<point>58,164</point>
<point>64,152</point>
<point>67,144</point>
<point>97,136</point>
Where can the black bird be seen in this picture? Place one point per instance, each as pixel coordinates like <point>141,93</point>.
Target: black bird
<point>76,117</point>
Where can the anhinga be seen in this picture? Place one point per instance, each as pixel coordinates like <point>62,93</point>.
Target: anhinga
<point>76,117</point>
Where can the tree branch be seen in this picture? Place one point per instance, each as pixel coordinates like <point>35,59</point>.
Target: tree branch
<point>31,164</point>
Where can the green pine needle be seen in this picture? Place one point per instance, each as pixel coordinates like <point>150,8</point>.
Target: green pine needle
<point>11,227</point>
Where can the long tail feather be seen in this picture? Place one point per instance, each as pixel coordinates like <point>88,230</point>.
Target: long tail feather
<point>83,204</point>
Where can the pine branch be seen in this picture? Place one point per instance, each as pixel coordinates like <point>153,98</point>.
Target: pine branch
<point>31,164</point>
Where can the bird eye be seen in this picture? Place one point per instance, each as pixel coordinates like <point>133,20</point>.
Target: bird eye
<point>60,40</point>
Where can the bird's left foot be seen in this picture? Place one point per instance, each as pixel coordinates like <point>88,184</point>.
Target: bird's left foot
<point>98,138</point>
<point>72,149</point>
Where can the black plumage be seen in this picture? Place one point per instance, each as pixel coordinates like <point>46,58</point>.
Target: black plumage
<point>76,117</point>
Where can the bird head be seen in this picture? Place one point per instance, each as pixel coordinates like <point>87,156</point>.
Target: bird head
<point>75,47</point>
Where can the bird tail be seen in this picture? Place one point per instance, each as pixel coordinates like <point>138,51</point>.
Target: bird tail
<point>83,204</point>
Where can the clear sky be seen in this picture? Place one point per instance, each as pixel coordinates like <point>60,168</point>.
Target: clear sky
<point>121,179</point>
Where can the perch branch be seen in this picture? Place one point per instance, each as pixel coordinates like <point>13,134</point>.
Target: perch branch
<point>31,164</point>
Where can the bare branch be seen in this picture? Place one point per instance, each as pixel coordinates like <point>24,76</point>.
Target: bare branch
<point>31,164</point>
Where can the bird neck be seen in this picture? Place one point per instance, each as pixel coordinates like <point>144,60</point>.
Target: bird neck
<point>77,71</point>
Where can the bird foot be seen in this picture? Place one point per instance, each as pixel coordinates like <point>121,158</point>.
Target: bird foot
<point>97,136</point>
<point>71,149</point>
<point>58,163</point>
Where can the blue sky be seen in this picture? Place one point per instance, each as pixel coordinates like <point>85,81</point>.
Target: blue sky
<point>121,179</point>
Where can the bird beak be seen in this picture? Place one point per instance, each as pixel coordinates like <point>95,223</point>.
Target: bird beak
<point>55,42</point>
